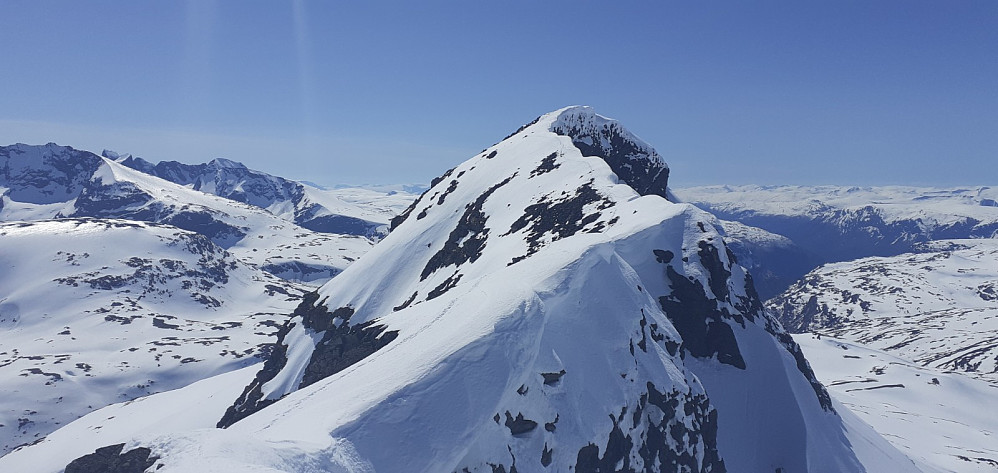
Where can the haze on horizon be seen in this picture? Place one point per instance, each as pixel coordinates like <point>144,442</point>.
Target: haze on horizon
<point>851,93</point>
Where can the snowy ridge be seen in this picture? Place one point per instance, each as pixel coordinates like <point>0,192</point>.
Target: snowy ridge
<point>938,308</point>
<point>94,312</point>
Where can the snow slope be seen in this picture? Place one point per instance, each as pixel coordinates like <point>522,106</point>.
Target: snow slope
<point>937,417</point>
<point>532,311</point>
<point>96,311</point>
<point>938,308</point>
<point>52,181</point>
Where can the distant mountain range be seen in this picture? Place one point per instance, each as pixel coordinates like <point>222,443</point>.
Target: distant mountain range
<point>251,214</point>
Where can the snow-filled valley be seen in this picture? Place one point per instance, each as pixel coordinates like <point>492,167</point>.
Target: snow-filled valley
<point>551,304</point>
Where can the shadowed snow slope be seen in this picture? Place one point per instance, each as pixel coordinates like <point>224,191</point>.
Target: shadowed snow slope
<point>530,312</point>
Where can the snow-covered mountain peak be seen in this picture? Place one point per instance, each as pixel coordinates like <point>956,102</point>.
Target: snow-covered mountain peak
<point>114,155</point>
<point>631,159</point>
<point>226,163</point>
<point>535,308</point>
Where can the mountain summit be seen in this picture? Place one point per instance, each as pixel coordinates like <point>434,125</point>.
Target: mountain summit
<point>541,307</point>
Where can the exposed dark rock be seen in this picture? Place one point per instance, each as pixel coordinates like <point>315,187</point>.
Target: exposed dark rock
<point>547,165</point>
<point>58,177</point>
<point>398,219</point>
<point>322,320</point>
<point>559,217</point>
<point>663,256</point>
<point>519,425</point>
<point>802,365</point>
<point>546,455</point>
<point>160,323</point>
<point>251,400</point>
<point>450,188</point>
<point>719,275</point>
<point>634,163</point>
<point>299,271</point>
<point>699,321</point>
<point>110,460</point>
<point>406,303</point>
<point>445,286</point>
<point>402,217</point>
<point>552,378</point>
<point>339,224</point>
<point>663,446</point>
<point>466,242</point>
<point>341,345</point>
<point>988,292</point>
<point>551,426</point>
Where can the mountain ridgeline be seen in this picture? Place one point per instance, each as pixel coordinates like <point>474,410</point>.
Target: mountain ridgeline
<point>232,180</point>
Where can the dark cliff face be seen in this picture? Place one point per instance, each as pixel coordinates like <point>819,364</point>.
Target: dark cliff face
<point>45,174</point>
<point>633,162</point>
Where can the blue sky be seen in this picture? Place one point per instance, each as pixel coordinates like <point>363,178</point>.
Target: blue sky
<point>844,92</point>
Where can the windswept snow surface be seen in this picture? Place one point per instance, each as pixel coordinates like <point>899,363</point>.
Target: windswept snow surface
<point>938,308</point>
<point>98,311</point>
<point>941,418</point>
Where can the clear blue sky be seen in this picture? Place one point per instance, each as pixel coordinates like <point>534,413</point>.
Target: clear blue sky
<point>843,92</point>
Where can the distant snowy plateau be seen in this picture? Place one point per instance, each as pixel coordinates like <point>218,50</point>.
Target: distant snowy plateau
<point>552,304</point>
